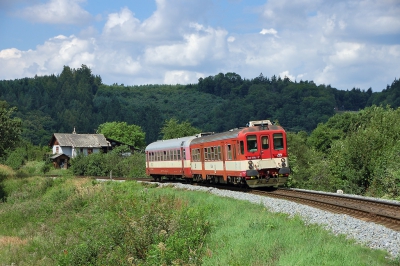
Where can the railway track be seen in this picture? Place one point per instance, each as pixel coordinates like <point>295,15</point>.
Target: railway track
<point>370,210</point>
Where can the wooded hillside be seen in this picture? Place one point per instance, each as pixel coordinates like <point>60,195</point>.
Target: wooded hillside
<point>77,98</point>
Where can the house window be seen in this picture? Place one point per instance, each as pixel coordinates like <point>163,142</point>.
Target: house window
<point>89,151</point>
<point>57,150</point>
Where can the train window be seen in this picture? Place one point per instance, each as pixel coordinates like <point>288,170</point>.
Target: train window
<point>212,153</point>
<point>179,154</point>
<point>241,147</point>
<point>215,153</point>
<point>184,154</point>
<point>278,141</point>
<point>219,153</point>
<point>229,152</point>
<point>252,143</point>
<point>264,142</point>
<point>164,156</point>
<point>198,155</point>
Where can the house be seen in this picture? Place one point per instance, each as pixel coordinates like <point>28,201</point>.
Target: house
<point>66,146</point>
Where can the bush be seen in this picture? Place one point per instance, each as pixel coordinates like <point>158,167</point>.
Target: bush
<point>5,172</point>
<point>101,164</point>
<point>16,158</point>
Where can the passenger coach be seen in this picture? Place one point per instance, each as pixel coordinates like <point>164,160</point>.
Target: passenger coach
<point>169,158</point>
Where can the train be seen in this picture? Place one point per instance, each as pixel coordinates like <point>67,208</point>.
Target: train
<point>254,156</point>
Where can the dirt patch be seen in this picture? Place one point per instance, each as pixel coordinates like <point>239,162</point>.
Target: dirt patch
<point>11,240</point>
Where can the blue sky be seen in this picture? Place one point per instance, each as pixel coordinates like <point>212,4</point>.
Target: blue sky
<point>344,43</point>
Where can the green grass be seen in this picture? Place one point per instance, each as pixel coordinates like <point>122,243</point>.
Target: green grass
<point>68,221</point>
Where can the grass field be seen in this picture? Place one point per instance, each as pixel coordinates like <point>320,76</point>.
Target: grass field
<point>67,221</point>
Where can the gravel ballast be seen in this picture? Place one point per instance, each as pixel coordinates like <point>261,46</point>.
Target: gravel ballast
<point>370,234</point>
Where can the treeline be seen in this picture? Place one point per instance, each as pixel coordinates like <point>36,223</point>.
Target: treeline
<point>355,152</point>
<point>76,98</point>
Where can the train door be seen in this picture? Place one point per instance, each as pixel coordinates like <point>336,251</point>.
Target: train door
<point>148,162</point>
<point>265,147</point>
<point>223,160</point>
<point>204,157</point>
<point>182,156</point>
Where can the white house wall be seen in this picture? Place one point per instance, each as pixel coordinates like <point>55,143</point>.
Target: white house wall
<point>72,152</point>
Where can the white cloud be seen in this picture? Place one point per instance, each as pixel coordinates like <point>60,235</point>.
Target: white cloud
<point>123,26</point>
<point>204,44</point>
<point>181,77</point>
<point>10,53</point>
<point>347,53</point>
<point>269,31</point>
<point>47,58</point>
<point>169,22</point>
<point>285,74</point>
<point>57,12</point>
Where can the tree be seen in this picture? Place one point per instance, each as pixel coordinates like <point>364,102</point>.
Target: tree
<point>173,129</point>
<point>121,131</point>
<point>10,128</point>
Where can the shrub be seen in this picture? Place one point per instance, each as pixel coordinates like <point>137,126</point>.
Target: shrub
<point>16,158</point>
<point>100,164</point>
<point>5,172</point>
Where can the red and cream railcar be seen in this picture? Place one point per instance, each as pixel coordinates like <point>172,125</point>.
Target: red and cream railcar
<point>169,158</point>
<point>255,155</point>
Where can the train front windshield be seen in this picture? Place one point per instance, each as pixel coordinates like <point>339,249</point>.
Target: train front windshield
<point>252,143</point>
<point>278,141</point>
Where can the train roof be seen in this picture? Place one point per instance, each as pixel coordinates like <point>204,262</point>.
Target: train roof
<point>170,144</point>
<point>234,133</point>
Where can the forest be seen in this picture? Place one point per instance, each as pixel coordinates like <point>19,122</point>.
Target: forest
<point>76,98</point>
<point>337,139</point>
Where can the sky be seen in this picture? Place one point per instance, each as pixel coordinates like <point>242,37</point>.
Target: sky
<point>343,43</point>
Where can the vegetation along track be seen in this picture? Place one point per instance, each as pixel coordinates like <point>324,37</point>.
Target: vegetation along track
<point>370,210</point>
